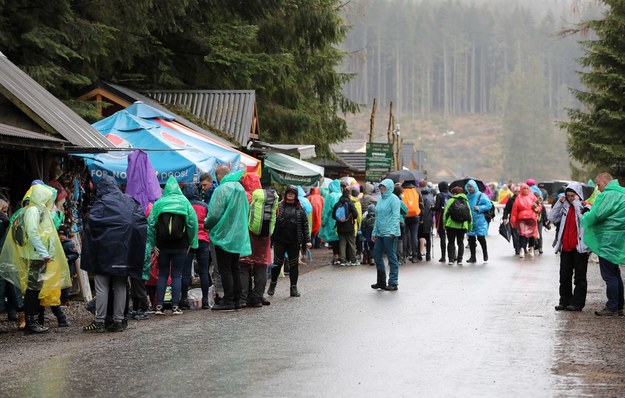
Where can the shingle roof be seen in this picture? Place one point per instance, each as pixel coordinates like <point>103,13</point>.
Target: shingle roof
<point>231,111</point>
<point>357,160</point>
<point>46,110</point>
<point>17,137</point>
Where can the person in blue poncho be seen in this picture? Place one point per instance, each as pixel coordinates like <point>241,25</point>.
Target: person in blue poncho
<point>479,204</point>
<point>385,234</point>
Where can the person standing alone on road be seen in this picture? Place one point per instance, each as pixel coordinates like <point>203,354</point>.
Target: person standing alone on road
<point>567,211</point>
<point>385,235</point>
<point>604,229</point>
<point>227,223</point>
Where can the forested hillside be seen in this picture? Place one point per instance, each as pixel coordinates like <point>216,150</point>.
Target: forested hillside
<point>495,73</point>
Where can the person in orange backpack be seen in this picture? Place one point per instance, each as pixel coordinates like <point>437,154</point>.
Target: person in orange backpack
<point>412,199</point>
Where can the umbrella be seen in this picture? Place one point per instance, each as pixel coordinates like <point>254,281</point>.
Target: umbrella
<point>463,182</point>
<point>505,231</point>
<point>405,175</point>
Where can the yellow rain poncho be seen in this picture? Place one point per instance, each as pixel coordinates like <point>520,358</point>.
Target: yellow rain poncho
<point>41,241</point>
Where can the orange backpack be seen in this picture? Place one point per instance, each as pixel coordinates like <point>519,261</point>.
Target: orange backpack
<point>411,199</point>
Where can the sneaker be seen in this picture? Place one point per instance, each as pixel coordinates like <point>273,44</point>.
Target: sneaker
<point>531,252</point>
<point>450,263</point>
<point>150,311</point>
<point>354,263</point>
<point>94,327</point>
<point>472,260</point>
<point>560,307</point>
<point>184,305</point>
<point>223,307</point>
<point>441,260</point>
<point>573,308</point>
<point>391,288</point>
<point>139,316</point>
<point>176,311</point>
<point>459,262</point>
<point>606,312</point>
<point>521,254</point>
<point>159,310</point>
<point>116,327</point>
<point>205,305</point>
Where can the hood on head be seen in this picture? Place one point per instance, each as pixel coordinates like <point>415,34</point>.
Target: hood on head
<point>314,191</point>
<point>577,188</point>
<point>172,187</point>
<point>389,185</point>
<point>334,186</point>
<point>291,188</point>
<point>40,195</point>
<point>473,184</point>
<point>523,186</point>
<point>368,189</point>
<point>106,185</point>
<point>443,186</point>
<point>530,182</point>
<point>190,191</point>
<point>251,182</point>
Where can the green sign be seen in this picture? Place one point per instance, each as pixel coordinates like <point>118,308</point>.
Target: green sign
<point>375,175</point>
<point>379,156</point>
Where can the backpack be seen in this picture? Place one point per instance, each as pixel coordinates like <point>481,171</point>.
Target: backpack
<point>342,213</point>
<point>171,228</point>
<point>262,215</point>
<point>459,210</point>
<point>411,199</point>
<point>18,227</point>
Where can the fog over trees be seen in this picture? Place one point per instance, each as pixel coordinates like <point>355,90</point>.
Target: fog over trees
<point>503,60</point>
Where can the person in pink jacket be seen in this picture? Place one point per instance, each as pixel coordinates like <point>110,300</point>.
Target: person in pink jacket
<point>524,218</point>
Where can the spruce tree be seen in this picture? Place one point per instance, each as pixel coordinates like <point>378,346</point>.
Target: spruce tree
<point>596,130</point>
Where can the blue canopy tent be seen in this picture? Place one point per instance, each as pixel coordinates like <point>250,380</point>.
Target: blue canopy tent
<point>169,151</point>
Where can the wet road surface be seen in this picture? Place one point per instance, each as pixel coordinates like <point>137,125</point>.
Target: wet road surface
<point>484,330</point>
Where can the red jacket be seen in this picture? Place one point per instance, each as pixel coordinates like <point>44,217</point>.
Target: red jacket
<point>317,201</point>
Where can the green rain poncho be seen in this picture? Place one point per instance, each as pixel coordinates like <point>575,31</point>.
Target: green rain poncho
<point>173,201</point>
<point>604,224</point>
<point>226,219</point>
<point>42,240</point>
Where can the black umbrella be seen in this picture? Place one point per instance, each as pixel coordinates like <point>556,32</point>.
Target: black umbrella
<point>463,182</point>
<point>505,231</point>
<point>405,175</point>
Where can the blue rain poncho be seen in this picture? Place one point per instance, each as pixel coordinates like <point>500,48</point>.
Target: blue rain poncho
<point>328,223</point>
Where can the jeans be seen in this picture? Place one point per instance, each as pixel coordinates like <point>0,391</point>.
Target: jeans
<point>230,272</point>
<point>455,237</point>
<point>387,245</point>
<point>573,266</point>
<point>174,259</point>
<point>203,255</point>
<point>411,237</point>
<point>611,274</point>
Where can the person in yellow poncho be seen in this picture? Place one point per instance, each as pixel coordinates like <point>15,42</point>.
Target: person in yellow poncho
<point>37,263</point>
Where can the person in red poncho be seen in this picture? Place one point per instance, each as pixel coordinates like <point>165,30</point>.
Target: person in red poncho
<point>317,201</point>
<point>524,218</point>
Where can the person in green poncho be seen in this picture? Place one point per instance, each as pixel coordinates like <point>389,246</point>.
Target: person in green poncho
<point>227,223</point>
<point>604,228</point>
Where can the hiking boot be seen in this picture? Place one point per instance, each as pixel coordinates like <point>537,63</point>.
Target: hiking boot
<point>294,292</point>
<point>159,310</point>
<point>472,260</point>
<point>140,316</point>
<point>223,307</point>
<point>606,312</point>
<point>21,320</point>
<point>573,308</point>
<point>272,288</point>
<point>560,307</point>
<point>381,283</point>
<point>94,327</point>
<point>116,327</point>
<point>205,305</point>
<point>184,304</point>
<point>12,315</point>
<point>391,288</point>
<point>32,326</point>
<point>441,260</point>
<point>265,301</point>
<point>255,303</point>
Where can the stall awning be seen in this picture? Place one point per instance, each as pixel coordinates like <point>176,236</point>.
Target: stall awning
<point>285,170</point>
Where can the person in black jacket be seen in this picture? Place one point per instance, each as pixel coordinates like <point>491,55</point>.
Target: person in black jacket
<point>345,227</point>
<point>113,249</point>
<point>290,232</point>
<point>505,218</point>
<point>439,207</point>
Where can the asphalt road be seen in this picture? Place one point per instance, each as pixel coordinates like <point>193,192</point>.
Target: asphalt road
<point>483,330</point>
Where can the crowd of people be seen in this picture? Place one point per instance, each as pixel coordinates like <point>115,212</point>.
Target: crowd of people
<point>236,235</point>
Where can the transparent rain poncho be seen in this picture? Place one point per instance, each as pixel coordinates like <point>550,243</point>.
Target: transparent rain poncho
<point>41,240</point>
<point>227,216</point>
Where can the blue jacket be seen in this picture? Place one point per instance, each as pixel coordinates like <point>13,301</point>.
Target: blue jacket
<point>387,216</point>
<point>480,226</point>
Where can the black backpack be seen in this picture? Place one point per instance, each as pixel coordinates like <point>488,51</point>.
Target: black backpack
<point>171,228</point>
<point>459,210</point>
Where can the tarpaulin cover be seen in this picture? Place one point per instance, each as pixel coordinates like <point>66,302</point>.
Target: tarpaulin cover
<point>287,170</point>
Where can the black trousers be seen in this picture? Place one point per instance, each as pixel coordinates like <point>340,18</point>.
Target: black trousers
<point>230,271</point>
<point>442,233</point>
<point>292,251</point>
<point>139,295</point>
<point>455,237</point>
<point>573,267</point>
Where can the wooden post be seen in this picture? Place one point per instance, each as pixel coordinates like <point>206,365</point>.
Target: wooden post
<point>389,132</point>
<point>372,120</point>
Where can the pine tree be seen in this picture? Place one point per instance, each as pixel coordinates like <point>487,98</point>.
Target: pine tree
<point>596,131</point>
